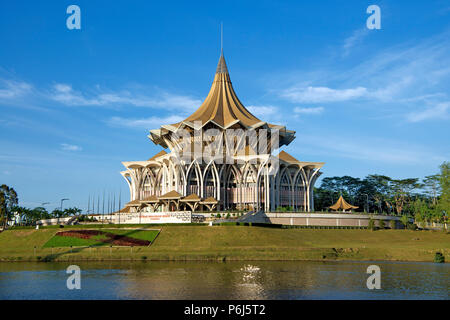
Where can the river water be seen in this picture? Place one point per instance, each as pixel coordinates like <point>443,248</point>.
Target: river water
<point>225,280</point>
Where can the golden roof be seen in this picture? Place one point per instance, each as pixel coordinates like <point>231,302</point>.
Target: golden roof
<point>170,195</point>
<point>192,197</point>
<point>210,200</point>
<point>159,154</point>
<point>341,204</point>
<point>125,209</point>
<point>134,203</point>
<point>150,199</point>
<point>283,155</point>
<point>223,108</point>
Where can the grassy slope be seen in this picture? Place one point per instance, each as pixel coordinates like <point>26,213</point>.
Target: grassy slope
<point>243,243</point>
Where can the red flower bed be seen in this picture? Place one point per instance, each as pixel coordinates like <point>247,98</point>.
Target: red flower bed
<point>112,239</point>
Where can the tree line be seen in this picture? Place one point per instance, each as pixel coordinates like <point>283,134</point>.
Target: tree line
<point>9,208</point>
<point>426,199</point>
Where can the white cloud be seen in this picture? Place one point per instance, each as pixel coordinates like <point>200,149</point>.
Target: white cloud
<point>70,147</point>
<point>313,110</point>
<point>440,111</point>
<point>144,123</point>
<point>322,94</point>
<point>397,81</point>
<point>11,89</point>
<point>64,93</point>
<point>369,149</point>
<point>353,40</point>
<point>263,112</point>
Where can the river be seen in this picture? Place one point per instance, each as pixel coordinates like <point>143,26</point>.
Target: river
<point>225,280</point>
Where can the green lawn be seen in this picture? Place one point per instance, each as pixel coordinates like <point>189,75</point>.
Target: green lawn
<point>235,243</point>
<point>99,240</point>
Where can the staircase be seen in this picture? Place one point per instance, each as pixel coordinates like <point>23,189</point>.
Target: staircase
<point>254,217</point>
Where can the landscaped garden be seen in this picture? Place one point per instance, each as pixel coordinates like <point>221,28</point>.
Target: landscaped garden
<point>106,237</point>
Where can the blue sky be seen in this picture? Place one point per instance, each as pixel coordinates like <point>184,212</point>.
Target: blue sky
<point>75,103</point>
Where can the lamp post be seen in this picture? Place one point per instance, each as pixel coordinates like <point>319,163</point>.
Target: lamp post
<point>62,200</point>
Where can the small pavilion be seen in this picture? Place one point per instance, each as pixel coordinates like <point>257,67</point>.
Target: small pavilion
<point>342,205</point>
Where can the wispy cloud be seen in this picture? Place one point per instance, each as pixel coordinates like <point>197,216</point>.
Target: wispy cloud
<point>65,94</point>
<point>70,147</point>
<point>263,112</point>
<point>143,123</point>
<point>322,94</point>
<point>10,89</point>
<point>355,39</point>
<point>440,111</point>
<point>369,149</point>
<point>397,81</point>
<point>312,110</point>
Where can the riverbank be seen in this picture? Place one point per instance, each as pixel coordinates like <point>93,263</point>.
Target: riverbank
<point>183,243</point>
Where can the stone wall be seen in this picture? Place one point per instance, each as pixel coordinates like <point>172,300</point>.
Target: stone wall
<point>327,219</point>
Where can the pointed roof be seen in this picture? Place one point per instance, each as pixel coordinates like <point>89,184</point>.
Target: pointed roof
<point>341,204</point>
<point>223,108</point>
<point>191,198</point>
<point>170,195</point>
<point>134,203</point>
<point>222,66</point>
<point>210,200</point>
<point>159,154</point>
<point>125,209</point>
<point>150,199</point>
<point>283,155</point>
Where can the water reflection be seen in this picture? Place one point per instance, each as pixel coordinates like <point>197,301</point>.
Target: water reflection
<point>231,280</point>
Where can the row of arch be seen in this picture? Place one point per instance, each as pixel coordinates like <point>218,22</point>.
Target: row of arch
<point>247,185</point>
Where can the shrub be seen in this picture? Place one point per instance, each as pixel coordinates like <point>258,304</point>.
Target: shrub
<point>411,226</point>
<point>392,224</point>
<point>381,224</point>
<point>404,219</point>
<point>371,225</point>
<point>439,257</point>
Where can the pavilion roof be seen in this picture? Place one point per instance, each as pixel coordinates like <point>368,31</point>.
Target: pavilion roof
<point>170,195</point>
<point>341,204</point>
<point>125,209</point>
<point>191,198</point>
<point>134,203</point>
<point>210,200</point>
<point>150,199</point>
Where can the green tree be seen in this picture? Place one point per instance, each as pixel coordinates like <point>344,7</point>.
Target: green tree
<point>420,210</point>
<point>71,211</point>
<point>404,220</point>
<point>8,200</point>
<point>432,187</point>
<point>402,192</point>
<point>380,186</point>
<point>444,184</point>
